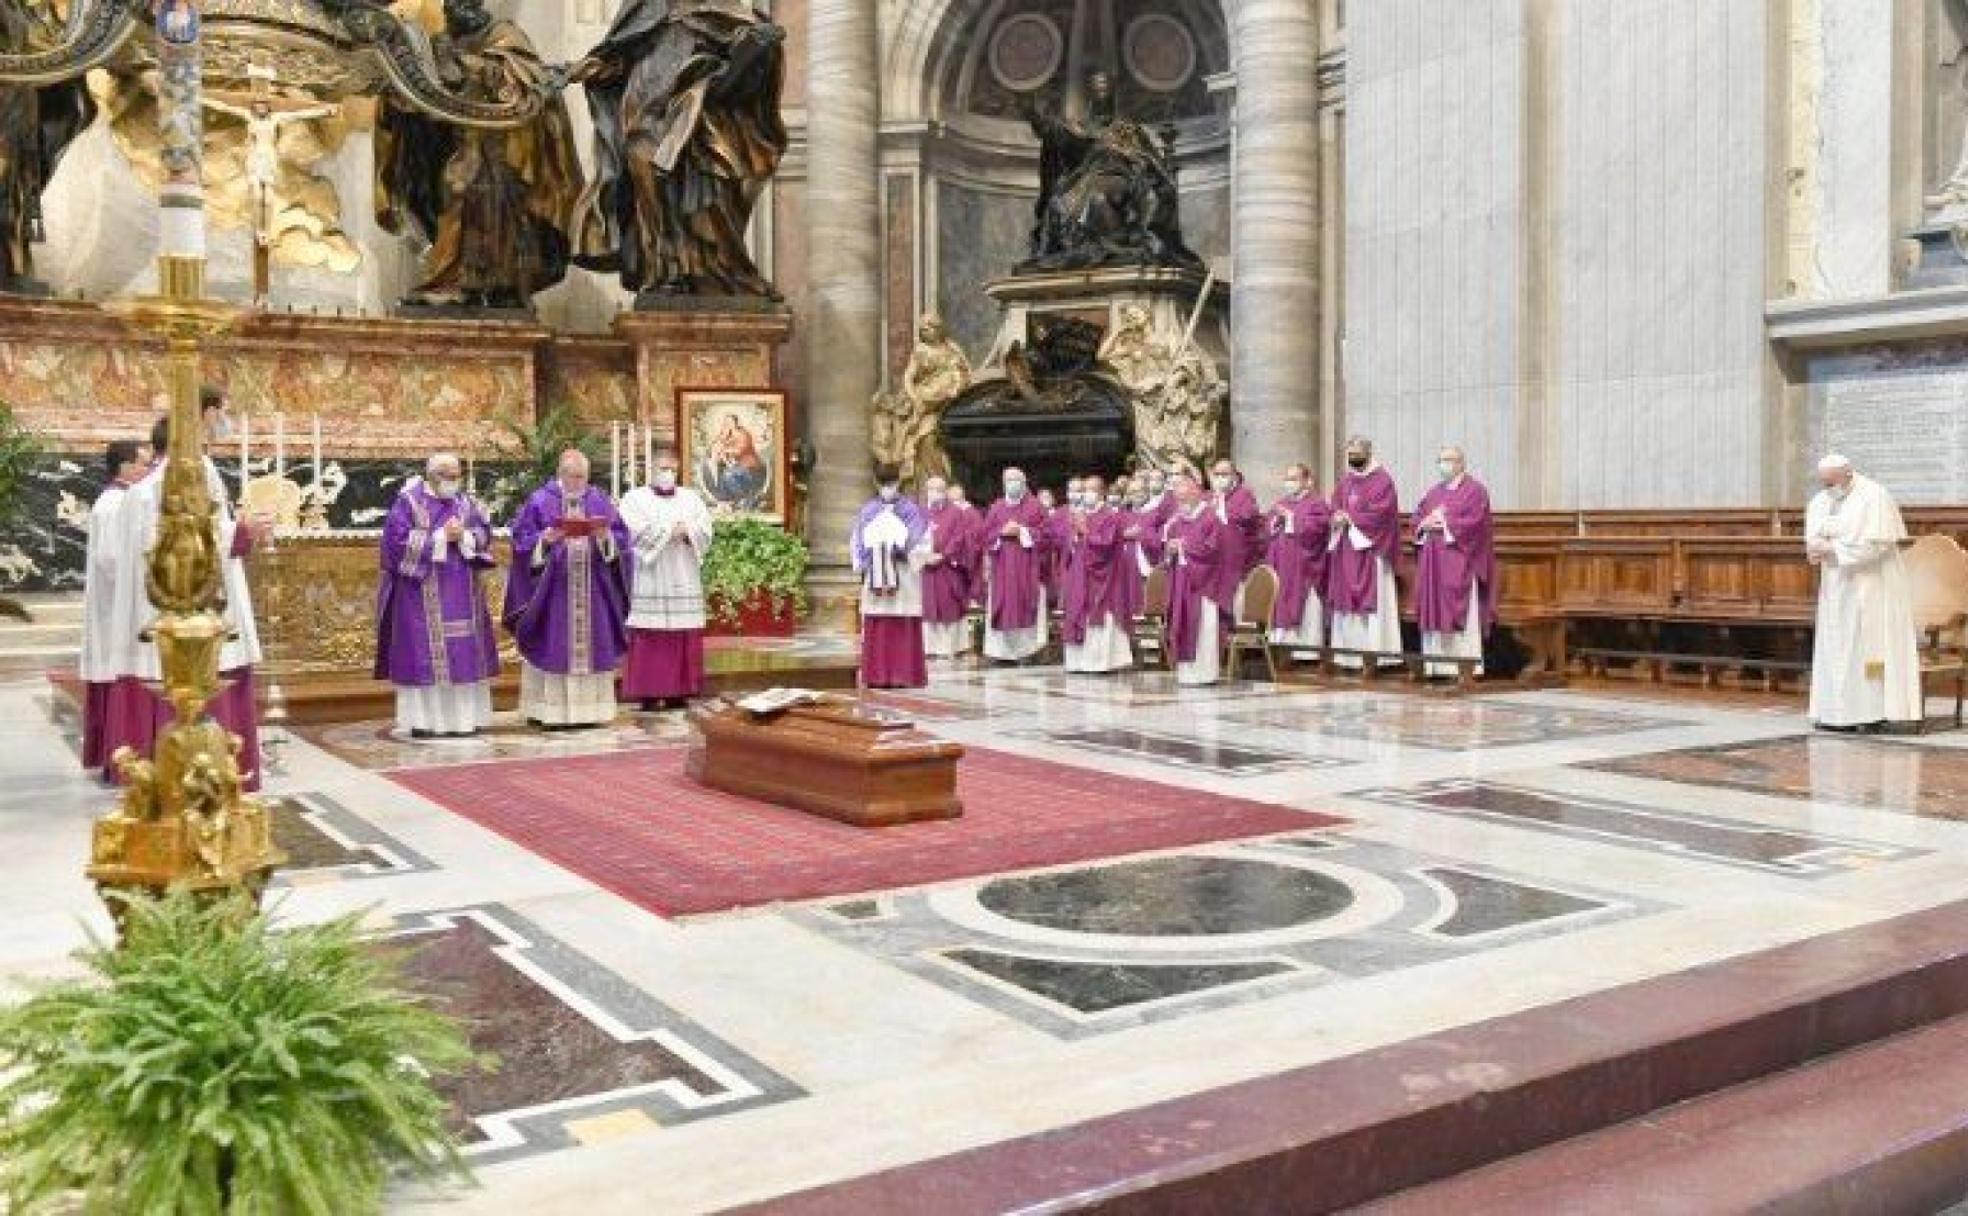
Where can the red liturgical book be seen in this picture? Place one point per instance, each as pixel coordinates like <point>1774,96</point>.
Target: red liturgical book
<point>572,528</point>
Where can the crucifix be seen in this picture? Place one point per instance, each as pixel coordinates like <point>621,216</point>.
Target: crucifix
<point>264,112</point>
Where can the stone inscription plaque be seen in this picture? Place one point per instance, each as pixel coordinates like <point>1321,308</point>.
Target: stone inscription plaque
<point>1907,430</point>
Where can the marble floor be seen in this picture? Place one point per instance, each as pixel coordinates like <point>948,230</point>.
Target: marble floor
<point>1460,860</point>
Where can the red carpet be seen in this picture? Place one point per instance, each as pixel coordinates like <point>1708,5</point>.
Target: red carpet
<point>633,823</point>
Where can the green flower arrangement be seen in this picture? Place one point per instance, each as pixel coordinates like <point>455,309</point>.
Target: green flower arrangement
<point>536,448</point>
<point>752,557</point>
<point>215,1065</point>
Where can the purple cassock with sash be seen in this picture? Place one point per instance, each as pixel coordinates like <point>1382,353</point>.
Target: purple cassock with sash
<point>1195,575</point>
<point>946,584</point>
<point>1093,576</point>
<point>1300,531</point>
<point>1013,568</point>
<point>886,547</point>
<point>568,615</point>
<point>1370,501</point>
<point>432,625</point>
<point>1243,540</point>
<point>1454,565</point>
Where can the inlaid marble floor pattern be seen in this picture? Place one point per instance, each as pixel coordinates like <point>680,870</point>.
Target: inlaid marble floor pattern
<point>1493,855</point>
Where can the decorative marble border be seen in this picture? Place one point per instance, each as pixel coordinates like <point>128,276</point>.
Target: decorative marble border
<point>1170,749</point>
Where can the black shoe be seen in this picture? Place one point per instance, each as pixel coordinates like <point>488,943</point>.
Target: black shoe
<point>423,734</point>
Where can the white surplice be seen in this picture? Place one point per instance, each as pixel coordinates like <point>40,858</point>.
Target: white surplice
<point>1865,661</point>
<point>97,662</point>
<point>669,582</point>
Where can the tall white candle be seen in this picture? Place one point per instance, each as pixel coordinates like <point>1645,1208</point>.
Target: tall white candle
<point>648,453</point>
<point>280,445</point>
<point>245,447</point>
<point>615,458</point>
<point>317,449</point>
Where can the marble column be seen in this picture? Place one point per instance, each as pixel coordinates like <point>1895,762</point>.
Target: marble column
<point>843,215</point>
<point>1274,301</point>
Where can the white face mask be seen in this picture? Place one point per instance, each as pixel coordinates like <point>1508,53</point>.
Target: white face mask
<point>1447,469</point>
<point>1014,490</point>
<point>936,498</point>
<point>889,493</point>
<point>444,487</point>
<point>1292,487</point>
<point>1221,482</point>
<point>221,429</point>
<point>666,479</point>
<point>1113,500</point>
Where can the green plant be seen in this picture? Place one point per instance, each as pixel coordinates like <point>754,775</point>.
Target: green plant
<point>20,450</point>
<point>216,1064</point>
<point>751,557</point>
<point>536,448</point>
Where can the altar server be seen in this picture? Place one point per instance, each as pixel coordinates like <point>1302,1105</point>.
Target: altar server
<point>567,600</point>
<point>1014,545</point>
<point>1365,537</point>
<point>434,638</point>
<point>1455,584</point>
<point>1865,667</point>
<point>669,530</point>
<point>1096,608</point>
<point>888,547</point>
<point>134,715</point>
<point>1299,528</point>
<point>1243,535</point>
<point>125,464</point>
<point>1192,547</point>
<point>946,572</point>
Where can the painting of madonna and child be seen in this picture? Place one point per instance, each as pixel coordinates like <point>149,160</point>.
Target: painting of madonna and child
<point>734,448</point>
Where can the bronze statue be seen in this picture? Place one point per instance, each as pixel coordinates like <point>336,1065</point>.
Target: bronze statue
<point>685,99</point>
<point>495,203</point>
<point>37,124</point>
<point>1107,191</point>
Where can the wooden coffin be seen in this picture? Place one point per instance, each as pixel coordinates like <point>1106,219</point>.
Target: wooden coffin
<point>863,766</point>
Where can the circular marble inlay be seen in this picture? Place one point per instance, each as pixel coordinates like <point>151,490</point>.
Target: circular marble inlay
<point>1159,52</point>
<point>1170,897</point>
<point>1025,51</point>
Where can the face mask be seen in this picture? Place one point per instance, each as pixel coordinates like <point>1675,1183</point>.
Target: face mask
<point>1356,462</point>
<point>888,493</point>
<point>1291,487</point>
<point>1447,469</point>
<point>445,487</point>
<point>222,429</point>
<point>1220,482</point>
<point>1014,490</point>
<point>666,479</point>
<point>937,498</point>
<point>1114,500</point>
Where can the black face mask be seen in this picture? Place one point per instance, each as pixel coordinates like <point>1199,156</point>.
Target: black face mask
<point>1356,462</point>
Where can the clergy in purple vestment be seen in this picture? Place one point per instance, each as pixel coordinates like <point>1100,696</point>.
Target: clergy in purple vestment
<point>973,520</point>
<point>1192,547</point>
<point>1243,537</point>
<point>888,546</point>
<point>567,599</point>
<point>1014,544</point>
<point>434,638</point>
<point>1094,613</point>
<point>1456,564</point>
<point>1300,528</point>
<point>1365,537</point>
<point>1059,534</point>
<point>1127,601</point>
<point>946,571</point>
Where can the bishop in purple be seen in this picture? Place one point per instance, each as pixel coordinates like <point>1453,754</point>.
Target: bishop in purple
<point>567,600</point>
<point>1456,565</point>
<point>1243,538</point>
<point>1300,529</point>
<point>1014,546</point>
<point>434,639</point>
<point>1192,547</point>
<point>946,572</point>
<point>1095,609</point>
<point>1365,537</point>
<point>887,547</point>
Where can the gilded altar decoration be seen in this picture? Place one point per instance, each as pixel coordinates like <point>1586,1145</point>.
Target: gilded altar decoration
<point>685,100</point>
<point>1179,397</point>
<point>494,204</point>
<point>907,421</point>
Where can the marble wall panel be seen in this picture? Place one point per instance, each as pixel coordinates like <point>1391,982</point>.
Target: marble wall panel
<point>982,236</point>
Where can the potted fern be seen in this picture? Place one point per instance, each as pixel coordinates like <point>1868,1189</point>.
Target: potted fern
<point>535,452</point>
<point>754,579</point>
<point>215,1064</point>
<point>20,450</point>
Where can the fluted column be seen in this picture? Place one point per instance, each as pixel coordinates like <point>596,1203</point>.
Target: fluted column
<point>1274,300</point>
<point>843,216</point>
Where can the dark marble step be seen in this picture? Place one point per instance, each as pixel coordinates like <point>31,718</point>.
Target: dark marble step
<point>1878,1129</point>
<point>1349,1131</point>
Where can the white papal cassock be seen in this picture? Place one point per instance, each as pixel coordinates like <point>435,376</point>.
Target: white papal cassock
<point>1865,664</point>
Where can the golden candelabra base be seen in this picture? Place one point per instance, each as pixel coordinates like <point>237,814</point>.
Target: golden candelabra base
<point>184,822</point>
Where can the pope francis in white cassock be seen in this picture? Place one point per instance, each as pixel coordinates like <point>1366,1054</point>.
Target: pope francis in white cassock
<point>1865,666</point>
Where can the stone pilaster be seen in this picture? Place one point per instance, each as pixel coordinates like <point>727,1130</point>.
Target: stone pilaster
<point>1274,302</point>
<point>843,216</point>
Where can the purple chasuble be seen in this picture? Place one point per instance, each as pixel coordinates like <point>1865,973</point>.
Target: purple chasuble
<point>946,584</point>
<point>1243,539</point>
<point>1194,574</point>
<point>1299,556</point>
<point>1092,576</point>
<point>568,616</point>
<point>1447,567</point>
<point>1353,577</point>
<point>1014,569</point>
<point>432,625</point>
